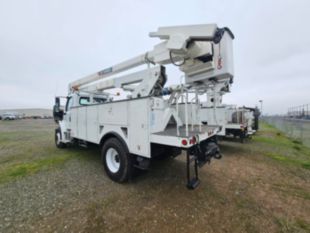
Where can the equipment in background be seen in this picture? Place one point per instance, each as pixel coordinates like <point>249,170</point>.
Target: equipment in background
<point>253,116</point>
<point>234,121</point>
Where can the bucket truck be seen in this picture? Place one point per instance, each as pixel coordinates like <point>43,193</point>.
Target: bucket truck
<point>153,119</point>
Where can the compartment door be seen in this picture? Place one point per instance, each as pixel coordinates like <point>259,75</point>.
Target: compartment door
<point>138,132</point>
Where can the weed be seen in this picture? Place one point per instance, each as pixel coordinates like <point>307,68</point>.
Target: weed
<point>302,224</point>
<point>306,165</point>
<point>297,147</point>
<point>297,141</point>
<point>288,226</point>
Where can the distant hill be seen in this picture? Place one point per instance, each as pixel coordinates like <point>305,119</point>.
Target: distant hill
<point>29,112</point>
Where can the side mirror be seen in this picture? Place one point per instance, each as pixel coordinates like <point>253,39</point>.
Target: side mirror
<point>57,112</point>
<point>57,101</point>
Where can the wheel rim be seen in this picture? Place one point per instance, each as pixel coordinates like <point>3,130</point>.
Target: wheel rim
<point>112,159</point>
<point>57,138</point>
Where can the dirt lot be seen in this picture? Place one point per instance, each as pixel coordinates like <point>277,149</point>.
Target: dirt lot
<point>260,186</point>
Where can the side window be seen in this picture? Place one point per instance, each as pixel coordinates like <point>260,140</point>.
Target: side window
<point>84,101</point>
<point>99,100</point>
<point>69,104</point>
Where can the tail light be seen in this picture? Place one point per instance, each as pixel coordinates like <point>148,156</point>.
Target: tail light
<point>184,142</point>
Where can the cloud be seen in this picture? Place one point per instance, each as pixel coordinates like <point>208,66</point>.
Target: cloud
<point>44,45</point>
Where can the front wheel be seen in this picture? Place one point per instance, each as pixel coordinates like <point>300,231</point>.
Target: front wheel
<point>116,160</point>
<point>58,142</point>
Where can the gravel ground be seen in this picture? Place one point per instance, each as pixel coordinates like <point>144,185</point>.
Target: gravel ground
<point>28,200</point>
<point>244,192</point>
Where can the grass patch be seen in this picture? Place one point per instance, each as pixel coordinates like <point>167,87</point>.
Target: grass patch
<point>289,160</point>
<point>302,224</point>
<point>297,148</point>
<point>268,127</point>
<point>28,152</point>
<point>279,147</point>
<point>301,193</point>
<point>274,141</point>
<point>289,226</point>
<point>297,142</point>
<point>292,190</point>
<point>22,136</point>
<point>273,137</point>
<point>28,168</point>
<point>306,165</point>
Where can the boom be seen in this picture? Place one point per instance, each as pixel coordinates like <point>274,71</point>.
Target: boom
<point>202,52</point>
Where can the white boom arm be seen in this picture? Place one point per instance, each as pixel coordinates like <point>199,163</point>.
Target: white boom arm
<point>153,75</point>
<point>203,52</point>
<point>134,62</point>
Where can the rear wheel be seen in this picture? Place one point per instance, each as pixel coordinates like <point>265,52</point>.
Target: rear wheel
<point>116,160</point>
<point>58,142</point>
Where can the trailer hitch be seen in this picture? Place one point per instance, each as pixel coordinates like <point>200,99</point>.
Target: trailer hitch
<point>200,154</point>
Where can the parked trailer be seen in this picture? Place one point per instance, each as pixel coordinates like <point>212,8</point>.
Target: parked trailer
<point>232,120</point>
<point>252,114</point>
<point>239,122</point>
<point>145,125</point>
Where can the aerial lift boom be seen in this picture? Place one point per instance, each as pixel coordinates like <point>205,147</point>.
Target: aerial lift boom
<point>196,47</point>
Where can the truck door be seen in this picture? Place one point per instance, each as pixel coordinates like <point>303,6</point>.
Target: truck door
<point>67,115</point>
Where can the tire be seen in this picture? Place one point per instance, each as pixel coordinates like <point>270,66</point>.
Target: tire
<point>242,136</point>
<point>116,160</point>
<point>58,143</point>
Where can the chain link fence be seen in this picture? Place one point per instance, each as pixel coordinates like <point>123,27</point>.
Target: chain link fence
<point>299,112</point>
<point>298,129</point>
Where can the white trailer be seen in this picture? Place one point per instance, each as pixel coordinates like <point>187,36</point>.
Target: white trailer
<point>252,117</point>
<point>232,120</point>
<point>239,122</point>
<point>145,124</point>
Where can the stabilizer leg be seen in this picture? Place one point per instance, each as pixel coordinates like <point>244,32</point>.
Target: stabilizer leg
<point>192,182</point>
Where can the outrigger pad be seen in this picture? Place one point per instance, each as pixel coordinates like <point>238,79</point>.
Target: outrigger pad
<point>193,183</point>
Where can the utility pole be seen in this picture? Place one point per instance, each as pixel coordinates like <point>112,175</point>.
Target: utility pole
<point>261,106</point>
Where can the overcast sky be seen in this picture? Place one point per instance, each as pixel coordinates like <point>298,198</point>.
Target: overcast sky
<point>44,45</point>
